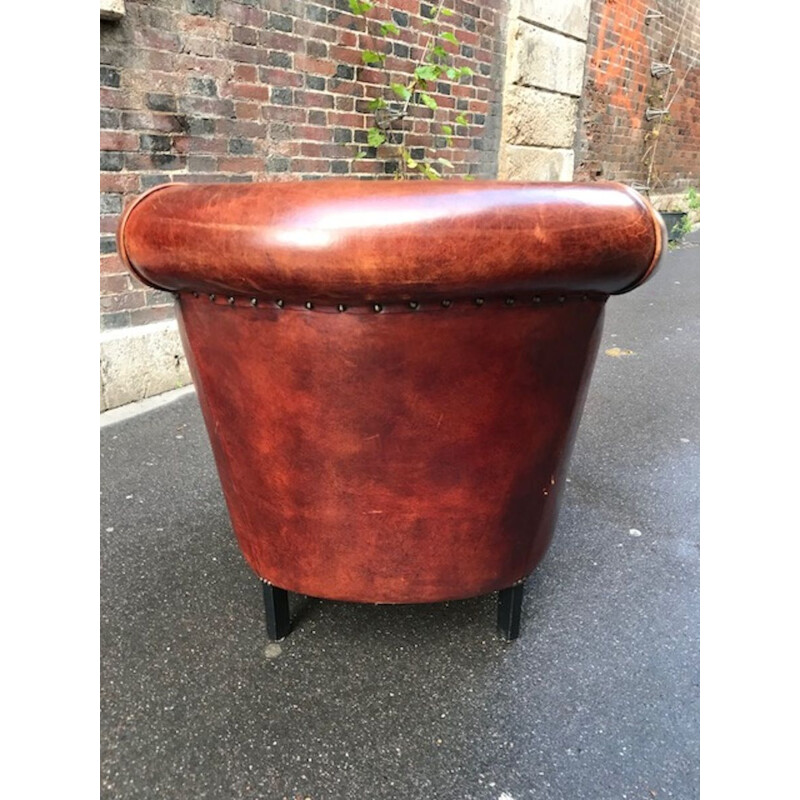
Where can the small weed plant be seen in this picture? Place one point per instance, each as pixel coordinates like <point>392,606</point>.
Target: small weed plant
<point>414,91</point>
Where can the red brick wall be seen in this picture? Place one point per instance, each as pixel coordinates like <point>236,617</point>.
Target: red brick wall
<point>217,90</point>
<point>614,139</point>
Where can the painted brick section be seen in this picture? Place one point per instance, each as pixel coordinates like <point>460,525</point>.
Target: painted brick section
<point>220,90</point>
<point>615,141</point>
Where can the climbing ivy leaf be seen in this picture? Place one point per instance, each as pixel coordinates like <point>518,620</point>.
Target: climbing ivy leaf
<point>375,137</point>
<point>412,164</point>
<point>371,57</point>
<point>428,72</point>
<point>450,37</point>
<point>428,101</point>
<point>360,7</point>
<point>401,91</point>
<point>390,27</point>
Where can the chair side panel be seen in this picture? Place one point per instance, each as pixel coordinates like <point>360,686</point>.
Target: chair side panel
<point>392,457</point>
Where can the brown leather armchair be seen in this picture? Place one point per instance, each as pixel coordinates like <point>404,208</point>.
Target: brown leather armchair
<point>391,373</point>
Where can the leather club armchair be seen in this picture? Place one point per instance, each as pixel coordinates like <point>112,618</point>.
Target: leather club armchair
<point>391,373</point>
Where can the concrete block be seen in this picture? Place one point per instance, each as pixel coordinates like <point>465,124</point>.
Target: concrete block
<point>112,9</point>
<point>534,117</point>
<point>140,362</point>
<point>567,16</point>
<point>545,60</point>
<point>535,164</point>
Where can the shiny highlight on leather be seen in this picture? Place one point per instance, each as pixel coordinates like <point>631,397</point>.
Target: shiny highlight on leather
<point>392,374</point>
<point>339,240</point>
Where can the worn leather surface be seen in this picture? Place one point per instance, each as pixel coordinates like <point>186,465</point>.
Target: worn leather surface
<point>376,448</point>
<point>390,240</point>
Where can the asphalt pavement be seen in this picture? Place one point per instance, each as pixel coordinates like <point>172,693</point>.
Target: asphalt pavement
<point>597,699</point>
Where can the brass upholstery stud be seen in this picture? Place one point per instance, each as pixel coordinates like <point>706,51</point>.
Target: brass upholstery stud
<point>309,305</point>
<point>279,303</point>
<point>509,301</point>
<point>212,297</point>
<point>377,307</point>
<point>478,301</point>
<point>231,301</point>
<point>254,301</point>
<point>413,304</point>
<point>537,299</point>
<point>195,294</point>
<point>446,303</point>
<point>561,298</point>
<point>585,297</point>
<point>341,307</point>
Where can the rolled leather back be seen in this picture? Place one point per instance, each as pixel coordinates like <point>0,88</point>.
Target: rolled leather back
<point>391,373</point>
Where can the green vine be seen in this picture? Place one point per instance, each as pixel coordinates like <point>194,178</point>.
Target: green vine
<point>434,65</point>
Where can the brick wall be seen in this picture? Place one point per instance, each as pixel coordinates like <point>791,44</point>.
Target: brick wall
<point>614,140</point>
<point>217,90</point>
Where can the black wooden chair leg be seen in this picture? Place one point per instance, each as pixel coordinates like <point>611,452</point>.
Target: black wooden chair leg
<point>509,610</point>
<point>276,606</point>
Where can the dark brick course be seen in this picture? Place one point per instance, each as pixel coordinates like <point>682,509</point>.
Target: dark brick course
<point>155,142</point>
<point>109,77</point>
<point>110,203</point>
<point>207,87</point>
<point>161,102</point>
<point>206,7</point>
<point>241,147</point>
<point>111,161</point>
<point>279,22</point>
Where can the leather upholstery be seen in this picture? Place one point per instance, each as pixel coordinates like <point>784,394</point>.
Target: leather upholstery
<point>390,240</point>
<point>392,373</point>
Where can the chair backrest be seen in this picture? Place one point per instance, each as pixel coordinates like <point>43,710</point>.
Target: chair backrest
<point>392,373</point>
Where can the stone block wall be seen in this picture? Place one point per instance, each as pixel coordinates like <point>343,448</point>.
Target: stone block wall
<point>615,140</point>
<point>544,79</point>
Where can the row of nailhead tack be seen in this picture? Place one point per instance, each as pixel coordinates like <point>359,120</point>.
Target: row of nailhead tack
<point>413,305</point>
